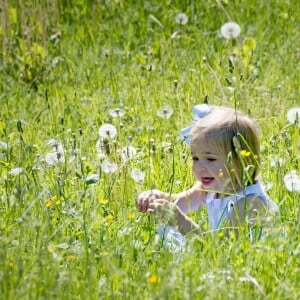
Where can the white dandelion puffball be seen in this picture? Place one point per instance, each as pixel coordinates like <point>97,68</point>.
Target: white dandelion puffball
<point>230,30</point>
<point>92,178</point>
<point>292,181</point>
<point>137,175</point>
<point>3,145</point>
<point>181,18</point>
<point>128,152</point>
<point>116,112</point>
<point>53,158</point>
<point>107,131</point>
<point>16,171</point>
<point>293,115</point>
<point>165,112</point>
<point>109,167</point>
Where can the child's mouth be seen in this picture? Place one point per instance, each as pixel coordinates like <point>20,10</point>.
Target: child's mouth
<point>207,180</point>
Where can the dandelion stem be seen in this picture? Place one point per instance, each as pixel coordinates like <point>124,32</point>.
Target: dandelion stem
<point>215,75</point>
<point>224,10</point>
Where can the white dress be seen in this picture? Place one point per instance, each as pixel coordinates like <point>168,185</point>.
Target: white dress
<point>218,210</point>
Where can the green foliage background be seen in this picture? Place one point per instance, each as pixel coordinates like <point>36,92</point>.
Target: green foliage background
<point>64,65</point>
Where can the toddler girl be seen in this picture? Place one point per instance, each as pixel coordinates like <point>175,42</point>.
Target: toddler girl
<point>225,150</point>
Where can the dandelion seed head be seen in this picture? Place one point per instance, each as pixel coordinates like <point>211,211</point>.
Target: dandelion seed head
<point>292,181</point>
<point>116,112</point>
<point>230,30</point>
<point>107,131</point>
<point>16,171</point>
<point>293,115</point>
<point>3,146</point>
<point>137,175</point>
<point>109,167</point>
<point>92,178</point>
<point>233,58</point>
<point>52,158</point>
<point>128,153</point>
<point>57,154</point>
<point>181,19</point>
<point>276,161</point>
<point>165,112</point>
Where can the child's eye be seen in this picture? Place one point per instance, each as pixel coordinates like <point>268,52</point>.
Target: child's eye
<point>195,158</point>
<point>211,159</point>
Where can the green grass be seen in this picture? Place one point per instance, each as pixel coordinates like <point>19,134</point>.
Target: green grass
<point>64,65</point>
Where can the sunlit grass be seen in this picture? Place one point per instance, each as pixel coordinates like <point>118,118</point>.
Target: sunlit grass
<point>69,227</point>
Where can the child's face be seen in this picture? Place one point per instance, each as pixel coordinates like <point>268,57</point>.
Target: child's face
<point>209,167</point>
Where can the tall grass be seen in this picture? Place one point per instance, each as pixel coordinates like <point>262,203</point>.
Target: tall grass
<point>64,66</point>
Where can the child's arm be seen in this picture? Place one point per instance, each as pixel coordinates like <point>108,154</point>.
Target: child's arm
<point>171,214</point>
<point>253,210</point>
<point>189,200</point>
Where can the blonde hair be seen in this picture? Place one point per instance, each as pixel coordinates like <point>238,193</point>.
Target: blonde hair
<point>237,137</point>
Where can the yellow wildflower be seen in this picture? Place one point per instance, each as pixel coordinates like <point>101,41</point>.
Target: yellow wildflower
<point>130,216</point>
<point>221,234</point>
<point>221,174</point>
<point>245,153</point>
<point>48,203</point>
<point>109,218</point>
<point>103,201</point>
<point>153,279</point>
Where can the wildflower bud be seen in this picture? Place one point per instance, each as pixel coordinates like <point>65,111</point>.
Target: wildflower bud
<point>19,126</point>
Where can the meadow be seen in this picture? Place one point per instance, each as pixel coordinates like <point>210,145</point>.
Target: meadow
<point>93,96</point>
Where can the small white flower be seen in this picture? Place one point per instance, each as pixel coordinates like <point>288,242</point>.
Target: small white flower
<point>181,18</point>
<point>230,30</point>
<point>137,175</point>
<point>128,152</point>
<point>108,167</point>
<point>107,131</point>
<point>92,178</point>
<point>276,161</point>
<point>165,112</point>
<point>52,158</point>
<point>292,181</point>
<point>16,171</point>
<point>57,148</point>
<point>3,145</point>
<point>293,115</point>
<point>57,155</point>
<point>116,112</point>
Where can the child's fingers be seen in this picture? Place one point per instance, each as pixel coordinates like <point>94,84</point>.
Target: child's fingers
<point>143,203</point>
<point>144,199</point>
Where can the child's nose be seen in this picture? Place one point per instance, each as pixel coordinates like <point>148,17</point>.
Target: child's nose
<point>200,166</point>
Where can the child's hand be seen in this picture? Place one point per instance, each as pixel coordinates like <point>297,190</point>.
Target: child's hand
<point>145,198</point>
<point>162,209</point>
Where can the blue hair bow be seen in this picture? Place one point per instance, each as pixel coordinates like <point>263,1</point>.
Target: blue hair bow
<point>199,111</point>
